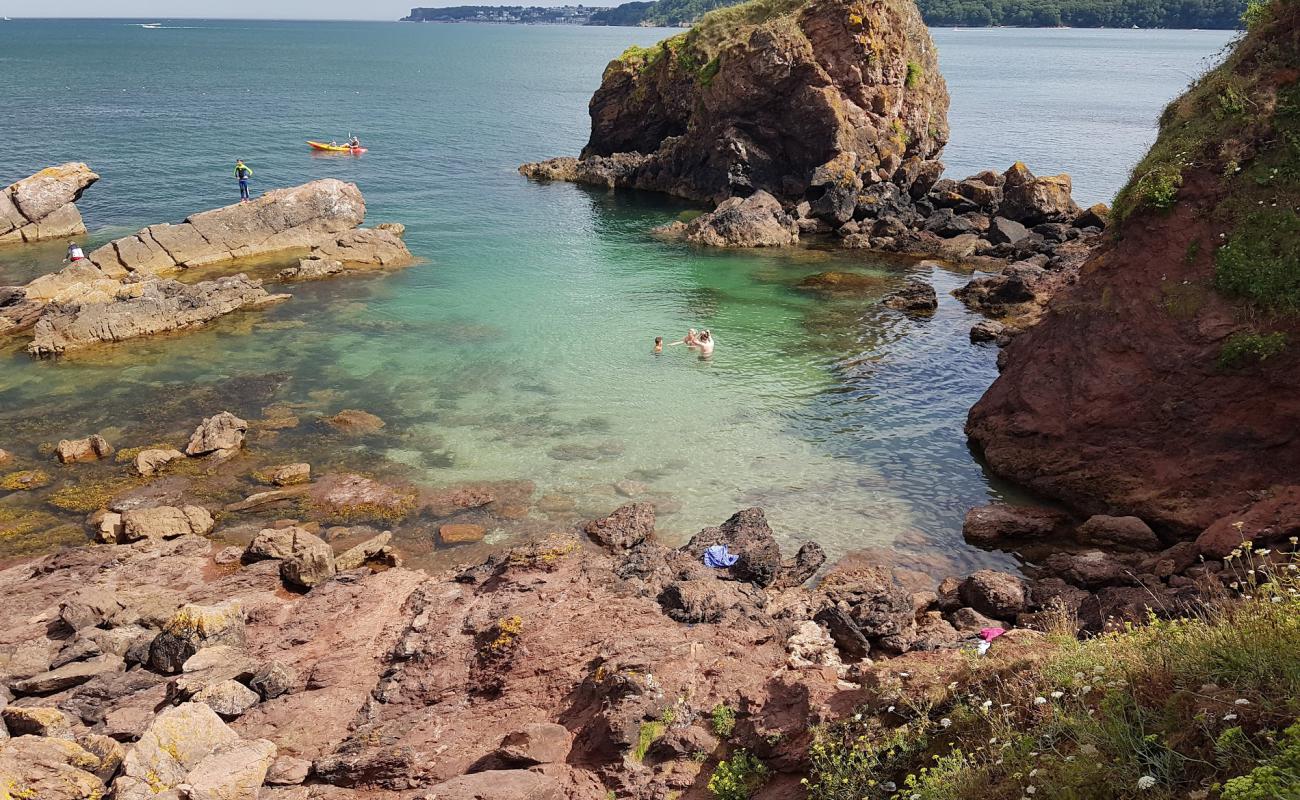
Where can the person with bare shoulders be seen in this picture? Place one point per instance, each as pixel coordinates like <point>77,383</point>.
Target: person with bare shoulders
<point>705,343</point>
<point>659,345</point>
<point>691,339</point>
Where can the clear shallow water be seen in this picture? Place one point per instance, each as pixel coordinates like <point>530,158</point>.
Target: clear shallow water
<point>520,348</point>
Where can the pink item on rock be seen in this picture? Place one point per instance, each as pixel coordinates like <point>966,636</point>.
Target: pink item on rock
<point>989,634</point>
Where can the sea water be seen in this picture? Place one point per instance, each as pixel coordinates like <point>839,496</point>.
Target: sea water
<point>519,347</point>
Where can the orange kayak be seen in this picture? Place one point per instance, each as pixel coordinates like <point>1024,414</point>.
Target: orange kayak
<point>335,148</point>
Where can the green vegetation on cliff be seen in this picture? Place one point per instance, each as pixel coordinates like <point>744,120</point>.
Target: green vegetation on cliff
<point>1221,14</point>
<point>1203,707</point>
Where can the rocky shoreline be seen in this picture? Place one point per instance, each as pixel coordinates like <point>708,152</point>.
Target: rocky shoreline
<point>122,290</point>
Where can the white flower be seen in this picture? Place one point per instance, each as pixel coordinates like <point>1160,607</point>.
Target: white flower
<point>945,722</point>
<point>986,705</point>
<point>1040,701</point>
<point>1057,695</point>
<point>1241,701</point>
<point>1229,717</point>
<point>1262,552</point>
<point>1030,789</point>
<point>1146,782</point>
<point>1033,772</point>
<point>889,710</point>
<point>889,786</point>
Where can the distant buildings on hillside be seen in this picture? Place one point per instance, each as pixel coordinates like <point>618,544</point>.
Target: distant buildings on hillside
<point>559,15</point>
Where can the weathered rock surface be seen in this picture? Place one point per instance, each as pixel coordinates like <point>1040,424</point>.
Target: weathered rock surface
<point>994,524</point>
<point>165,522</point>
<point>43,206</point>
<point>917,297</point>
<point>93,448</point>
<point>221,433</point>
<point>754,221</point>
<point>143,309</point>
<point>49,769</point>
<point>194,627</point>
<point>627,527</point>
<point>856,85</point>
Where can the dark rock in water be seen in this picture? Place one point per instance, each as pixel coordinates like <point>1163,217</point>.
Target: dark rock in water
<point>712,115</point>
<point>152,307</point>
<point>993,524</point>
<point>987,330</point>
<point>1128,533</point>
<point>845,282</point>
<point>627,527</point>
<point>754,221</point>
<point>917,296</point>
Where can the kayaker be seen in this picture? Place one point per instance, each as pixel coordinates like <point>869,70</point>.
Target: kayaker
<point>354,143</point>
<point>242,174</point>
<point>74,253</point>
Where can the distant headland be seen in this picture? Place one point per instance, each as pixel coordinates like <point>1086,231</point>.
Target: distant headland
<point>1210,14</point>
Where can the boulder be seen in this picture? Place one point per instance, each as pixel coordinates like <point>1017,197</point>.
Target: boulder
<point>1094,216</point>
<point>987,330</point>
<point>1271,518</point>
<point>1090,569</point>
<point>68,675</point>
<point>272,680</point>
<point>358,555</point>
<point>150,462</point>
<point>997,594</point>
<point>627,527</point>
<point>229,698</point>
<point>194,627</point>
<point>90,449</point>
<point>288,771</point>
<point>43,206</point>
<point>165,522</point>
<point>89,607</point>
<point>376,247</point>
<point>968,620</point>
<point>221,433</point>
<point>754,221</point>
<point>1031,200</point>
<point>1125,533</point>
<point>461,533</point>
<point>305,559</point>
<point>1005,231</point>
<point>916,296</point>
<point>747,536</point>
<point>311,269</point>
<point>177,741</point>
<point>48,769</point>
<point>143,309</point>
<point>533,744</point>
<point>992,524</point>
<point>36,721</point>
<point>873,601</point>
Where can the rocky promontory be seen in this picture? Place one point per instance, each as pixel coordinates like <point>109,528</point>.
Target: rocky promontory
<point>118,292</point>
<point>1166,383</point>
<point>43,206</point>
<point>796,99</point>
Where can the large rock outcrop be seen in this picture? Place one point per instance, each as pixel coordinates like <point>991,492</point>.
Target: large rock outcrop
<point>155,306</point>
<point>1166,383</point>
<point>118,293</point>
<point>43,206</point>
<point>811,99</point>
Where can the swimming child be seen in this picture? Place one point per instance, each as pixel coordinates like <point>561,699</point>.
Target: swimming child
<point>691,339</point>
<point>659,345</point>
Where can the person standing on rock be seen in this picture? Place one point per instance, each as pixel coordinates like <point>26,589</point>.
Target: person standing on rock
<point>242,174</point>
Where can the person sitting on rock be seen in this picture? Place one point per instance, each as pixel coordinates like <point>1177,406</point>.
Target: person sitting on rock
<point>74,253</point>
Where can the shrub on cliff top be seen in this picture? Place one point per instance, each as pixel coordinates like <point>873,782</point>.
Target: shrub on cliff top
<point>1164,710</point>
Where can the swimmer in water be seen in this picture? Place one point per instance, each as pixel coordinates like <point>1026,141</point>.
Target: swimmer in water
<point>705,344</point>
<point>659,345</point>
<point>691,340</point>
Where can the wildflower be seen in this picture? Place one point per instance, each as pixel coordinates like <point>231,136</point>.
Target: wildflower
<point>1078,676</point>
<point>1229,717</point>
<point>986,705</point>
<point>1030,789</point>
<point>1146,782</point>
<point>945,723</point>
<point>1262,552</point>
<point>857,717</point>
<point>1040,701</point>
<point>1241,701</point>
<point>1033,772</point>
<point>1058,695</point>
<point>889,710</point>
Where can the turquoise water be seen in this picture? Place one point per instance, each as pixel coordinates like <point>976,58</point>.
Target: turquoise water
<point>520,347</point>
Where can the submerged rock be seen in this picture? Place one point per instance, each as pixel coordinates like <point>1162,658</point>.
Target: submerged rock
<point>754,221</point>
<point>916,296</point>
<point>43,205</point>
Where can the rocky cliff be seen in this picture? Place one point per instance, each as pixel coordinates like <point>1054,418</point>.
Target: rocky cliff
<point>1166,382</point>
<point>795,98</point>
<point>44,205</point>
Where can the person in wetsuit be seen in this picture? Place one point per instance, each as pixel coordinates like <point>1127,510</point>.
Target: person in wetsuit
<point>242,174</point>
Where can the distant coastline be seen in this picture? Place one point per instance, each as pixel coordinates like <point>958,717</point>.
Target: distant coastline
<point>1141,14</point>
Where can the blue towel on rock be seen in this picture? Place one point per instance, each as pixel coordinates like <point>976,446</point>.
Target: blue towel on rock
<point>718,557</point>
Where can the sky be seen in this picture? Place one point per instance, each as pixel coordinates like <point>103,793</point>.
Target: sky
<point>246,9</point>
